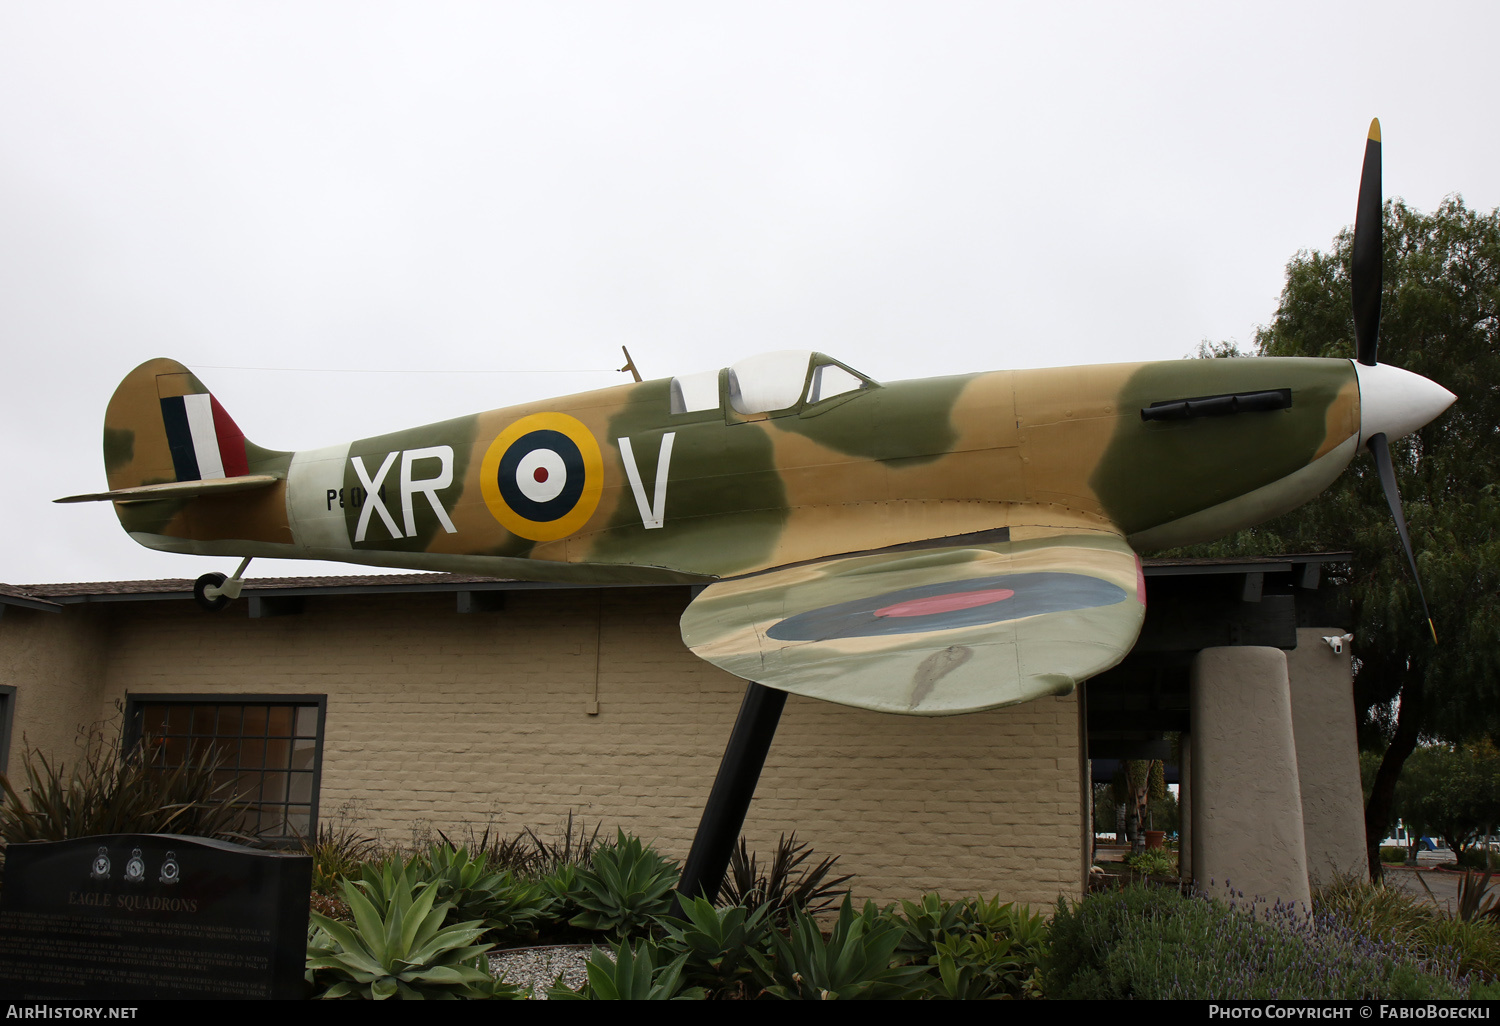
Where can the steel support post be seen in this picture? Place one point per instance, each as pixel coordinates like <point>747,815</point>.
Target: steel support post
<point>739,771</point>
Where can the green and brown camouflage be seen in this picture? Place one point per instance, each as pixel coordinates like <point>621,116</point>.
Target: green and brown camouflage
<point>801,490</point>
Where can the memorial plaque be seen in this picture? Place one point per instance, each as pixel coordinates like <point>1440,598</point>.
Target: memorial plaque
<point>152,916</point>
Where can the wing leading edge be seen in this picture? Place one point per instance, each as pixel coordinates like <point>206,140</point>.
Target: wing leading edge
<point>930,633</point>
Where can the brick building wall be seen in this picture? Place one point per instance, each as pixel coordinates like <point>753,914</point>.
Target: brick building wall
<point>441,720</point>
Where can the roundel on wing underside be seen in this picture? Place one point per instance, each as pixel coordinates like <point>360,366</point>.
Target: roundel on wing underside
<point>949,605</point>
<point>542,476</point>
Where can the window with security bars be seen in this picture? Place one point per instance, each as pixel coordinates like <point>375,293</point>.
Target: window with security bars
<point>269,752</point>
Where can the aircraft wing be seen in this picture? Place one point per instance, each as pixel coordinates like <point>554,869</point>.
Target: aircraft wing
<point>930,632</point>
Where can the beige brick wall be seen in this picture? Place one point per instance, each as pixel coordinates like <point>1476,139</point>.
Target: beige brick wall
<point>439,719</point>
<point>56,662</point>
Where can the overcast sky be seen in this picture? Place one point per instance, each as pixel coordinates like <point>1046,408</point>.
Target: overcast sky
<point>354,217</point>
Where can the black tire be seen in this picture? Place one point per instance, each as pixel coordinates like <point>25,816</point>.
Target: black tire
<point>204,602</point>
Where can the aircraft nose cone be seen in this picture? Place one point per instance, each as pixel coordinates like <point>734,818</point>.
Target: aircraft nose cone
<point>1397,402</point>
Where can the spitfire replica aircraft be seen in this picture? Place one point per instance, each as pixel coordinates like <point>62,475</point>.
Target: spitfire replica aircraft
<point>929,547</point>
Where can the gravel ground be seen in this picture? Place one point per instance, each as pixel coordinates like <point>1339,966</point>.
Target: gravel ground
<point>538,968</point>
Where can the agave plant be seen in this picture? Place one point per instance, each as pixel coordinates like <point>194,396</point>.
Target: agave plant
<point>385,880</point>
<point>924,923</point>
<point>975,948</point>
<point>507,904</point>
<point>717,943</point>
<point>1027,929</point>
<point>854,962</point>
<point>976,966</point>
<point>635,973</point>
<point>399,948</point>
<point>625,888</point>
<point>562,886</point>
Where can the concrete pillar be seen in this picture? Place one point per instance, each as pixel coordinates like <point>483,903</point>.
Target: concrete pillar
<point>1247,804</point>
<point>1333,818</point>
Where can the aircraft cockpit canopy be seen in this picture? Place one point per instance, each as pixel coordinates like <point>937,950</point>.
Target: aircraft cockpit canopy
<point>769,383</point>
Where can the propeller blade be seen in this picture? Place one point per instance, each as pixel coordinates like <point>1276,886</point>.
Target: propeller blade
<point>1381,450</point>
<point>1368,254</point>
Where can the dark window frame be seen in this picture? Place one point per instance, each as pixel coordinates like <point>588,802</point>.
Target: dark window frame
<point>135,707</point>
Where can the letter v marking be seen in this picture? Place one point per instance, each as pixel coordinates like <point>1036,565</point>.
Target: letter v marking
<point>654,515</point>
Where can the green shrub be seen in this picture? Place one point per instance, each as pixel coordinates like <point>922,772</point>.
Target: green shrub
<point>1475,857</point>
<point>1383,913</point>
<point>1153,862</point>
<point>1157,944</point>
<point>1084,934</point>
<point>1472,946</point>
<point>1393,855</point>
<point>1469,946</point>
<point>625,888</point>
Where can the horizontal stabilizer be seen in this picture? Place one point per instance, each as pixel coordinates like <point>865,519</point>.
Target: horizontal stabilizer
<point>178,489</point>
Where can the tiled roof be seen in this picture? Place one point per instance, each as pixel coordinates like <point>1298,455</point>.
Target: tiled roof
<point>251,583</point>
<point>51,595</point>
<point>23,597</point>
<point>183,587</point>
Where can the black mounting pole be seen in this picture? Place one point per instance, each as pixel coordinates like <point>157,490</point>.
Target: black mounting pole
<point>724,815</point>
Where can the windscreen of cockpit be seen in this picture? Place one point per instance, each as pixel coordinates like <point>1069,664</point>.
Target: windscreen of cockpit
<point>768,383</point>
<point>829,380</point>
<point>694,392</point>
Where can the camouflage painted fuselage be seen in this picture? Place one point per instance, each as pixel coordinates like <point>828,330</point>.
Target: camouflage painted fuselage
<point>653,495</point>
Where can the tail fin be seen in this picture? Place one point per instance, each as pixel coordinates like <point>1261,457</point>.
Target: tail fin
<point>166,436</point>
<point>164,425</point>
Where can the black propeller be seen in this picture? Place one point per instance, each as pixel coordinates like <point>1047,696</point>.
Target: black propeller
<point>1365,279</point>
<point>1369,253</point>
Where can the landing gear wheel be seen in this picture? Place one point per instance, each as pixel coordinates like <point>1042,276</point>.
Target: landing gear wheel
<point>211,605</point>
